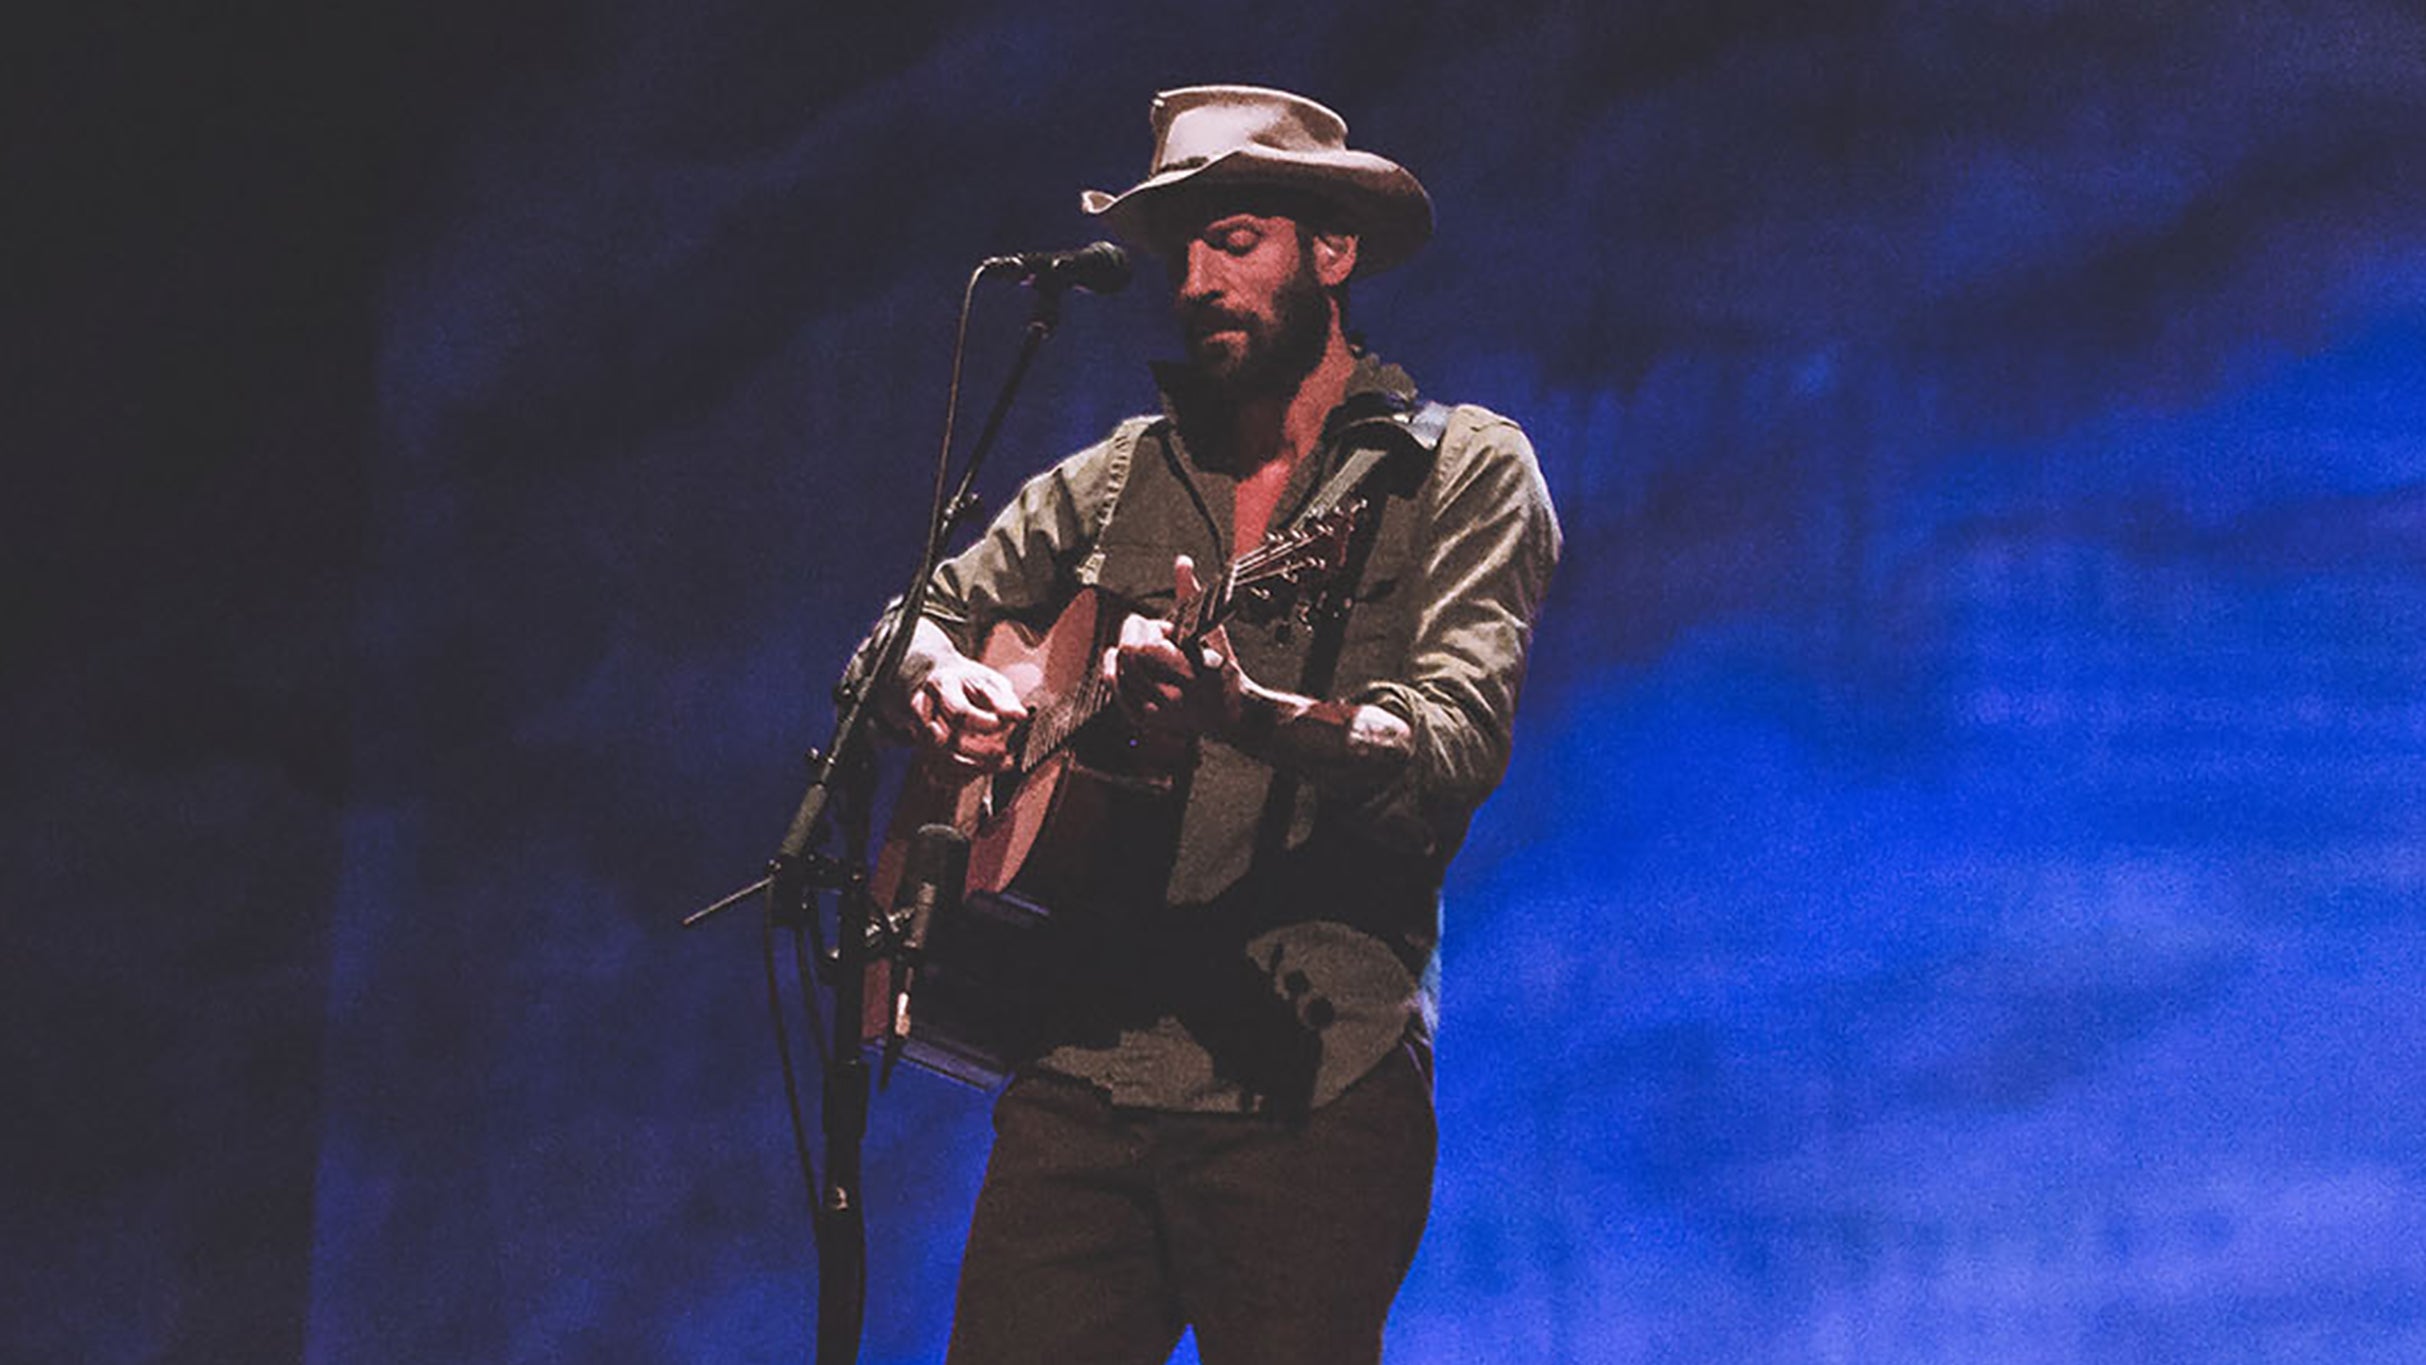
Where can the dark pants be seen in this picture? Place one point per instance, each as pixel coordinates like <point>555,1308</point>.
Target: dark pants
<point>1101,1233</point>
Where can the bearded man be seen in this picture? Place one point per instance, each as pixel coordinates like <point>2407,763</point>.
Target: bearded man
<point>1224,1119</point>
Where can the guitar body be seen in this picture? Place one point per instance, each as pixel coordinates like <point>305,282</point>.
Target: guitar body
<point>1085,833</point>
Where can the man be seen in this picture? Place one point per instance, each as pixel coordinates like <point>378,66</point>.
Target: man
<point>1227,1123</point>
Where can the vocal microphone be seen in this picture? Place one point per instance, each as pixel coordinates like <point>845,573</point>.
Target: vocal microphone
<point>1098,268</point>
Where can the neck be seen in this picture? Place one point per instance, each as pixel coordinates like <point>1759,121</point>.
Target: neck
<point>1285,427</point>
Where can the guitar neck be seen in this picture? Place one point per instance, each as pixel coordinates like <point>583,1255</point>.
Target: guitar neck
<point>1204,615</point>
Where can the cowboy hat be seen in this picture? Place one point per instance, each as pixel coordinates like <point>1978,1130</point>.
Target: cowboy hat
<point>1249,136</point>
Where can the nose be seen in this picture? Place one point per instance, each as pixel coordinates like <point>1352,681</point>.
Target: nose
<point>1196,273</point>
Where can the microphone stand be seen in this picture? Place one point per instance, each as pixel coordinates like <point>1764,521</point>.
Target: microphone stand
<point>795,877</point>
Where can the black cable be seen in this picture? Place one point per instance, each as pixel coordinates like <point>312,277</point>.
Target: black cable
<point>791,1074</point>
<point>803,960</point>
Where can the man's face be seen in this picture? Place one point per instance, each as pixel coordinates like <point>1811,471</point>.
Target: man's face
<point>1251,306</point>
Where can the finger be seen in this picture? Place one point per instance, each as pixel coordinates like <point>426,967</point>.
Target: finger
<point>980,747</point>
<point>1138,677</point>
<point>999,696</point>
<point>1166,707</point>
<point>926,707</point>
<point>1138,632</point>
<point>982,712</point>
<point>1153,660</point>
<point>1147,639</point>
<point>1183,580</point>
<point>1215,652</point>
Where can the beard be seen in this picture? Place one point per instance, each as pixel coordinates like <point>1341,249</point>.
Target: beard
<point>1271,355</point>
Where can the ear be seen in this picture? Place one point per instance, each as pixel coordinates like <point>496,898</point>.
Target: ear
<point>1334,257</point>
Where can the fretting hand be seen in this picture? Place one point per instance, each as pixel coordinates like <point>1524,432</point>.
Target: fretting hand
<point>1168,686</point>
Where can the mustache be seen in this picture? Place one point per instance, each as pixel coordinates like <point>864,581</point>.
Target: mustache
<point>1205,319</point>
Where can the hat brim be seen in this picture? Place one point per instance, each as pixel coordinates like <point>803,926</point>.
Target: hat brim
<point>1378,199</point>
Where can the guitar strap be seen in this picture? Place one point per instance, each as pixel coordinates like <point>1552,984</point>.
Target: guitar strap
<point>1400,441</point>
<point>1413,430</point>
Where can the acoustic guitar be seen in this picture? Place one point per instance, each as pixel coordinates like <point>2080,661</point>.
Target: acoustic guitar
<point>1082,819</point>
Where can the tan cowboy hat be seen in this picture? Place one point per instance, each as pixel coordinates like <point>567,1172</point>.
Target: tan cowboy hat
<point>1248,135</point>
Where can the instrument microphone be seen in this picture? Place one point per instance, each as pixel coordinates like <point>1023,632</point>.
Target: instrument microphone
<point>1098,268</point>
<point>934,874</point>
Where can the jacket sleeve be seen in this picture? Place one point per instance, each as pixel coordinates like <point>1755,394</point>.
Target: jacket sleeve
<point>1026,565</point>
<point>1493,542</point>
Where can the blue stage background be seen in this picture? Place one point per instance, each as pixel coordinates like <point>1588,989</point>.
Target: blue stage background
<point>1960,895</point>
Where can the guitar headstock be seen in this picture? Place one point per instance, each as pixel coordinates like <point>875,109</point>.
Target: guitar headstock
<point>1277,573</point>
